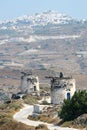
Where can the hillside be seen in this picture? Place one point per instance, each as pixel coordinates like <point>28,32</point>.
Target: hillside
<point>40,40</point>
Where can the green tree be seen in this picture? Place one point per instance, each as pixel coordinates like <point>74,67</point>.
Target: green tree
<point>74,107</point>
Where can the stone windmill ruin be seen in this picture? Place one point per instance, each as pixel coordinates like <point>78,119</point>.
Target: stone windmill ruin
<point>29,83</point>
<point>61,88</point>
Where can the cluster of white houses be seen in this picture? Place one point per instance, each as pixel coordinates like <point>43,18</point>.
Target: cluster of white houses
<point>61,87</point>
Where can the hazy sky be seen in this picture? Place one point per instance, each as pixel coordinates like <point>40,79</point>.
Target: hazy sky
<point>10,9</point>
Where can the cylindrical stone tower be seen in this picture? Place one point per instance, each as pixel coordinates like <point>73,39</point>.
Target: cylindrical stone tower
<point>61,88</point>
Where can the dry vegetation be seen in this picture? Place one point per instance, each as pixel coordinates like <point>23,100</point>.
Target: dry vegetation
<point>49,115</point>
<point>30,99</point>
<point>12,125</point>
<point>6,117</point>
<point>45,118</point>
<point>41,127</point>
<point>7,111</point>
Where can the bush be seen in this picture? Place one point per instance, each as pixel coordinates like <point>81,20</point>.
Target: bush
<point>45,103</point>
<point>41,127</point>
<point>74,107</point>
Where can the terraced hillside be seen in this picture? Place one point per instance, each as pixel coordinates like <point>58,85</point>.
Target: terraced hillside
<point>49,40</point>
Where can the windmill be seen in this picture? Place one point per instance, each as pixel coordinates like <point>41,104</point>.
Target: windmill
<point>54,78</point>
<point>29,83</point>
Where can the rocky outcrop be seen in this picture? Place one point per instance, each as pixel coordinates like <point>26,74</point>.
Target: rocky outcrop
<point>81,121</point>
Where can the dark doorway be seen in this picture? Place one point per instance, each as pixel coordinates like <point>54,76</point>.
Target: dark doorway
<point>68,95</point>
<point>34,88</point>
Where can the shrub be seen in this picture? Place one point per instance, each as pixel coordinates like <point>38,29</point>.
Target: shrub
<point>41,127</point>
<point>74,107</point>
<point>45,103</point>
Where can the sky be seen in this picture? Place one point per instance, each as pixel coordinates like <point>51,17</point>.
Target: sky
<point>11,9</point>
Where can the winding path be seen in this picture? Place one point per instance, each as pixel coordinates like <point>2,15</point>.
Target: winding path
<point>27,110</point>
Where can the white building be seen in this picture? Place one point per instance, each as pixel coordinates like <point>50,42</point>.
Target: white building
<point>37,108</point>
<point>29,83</point>
<point>62,88</point>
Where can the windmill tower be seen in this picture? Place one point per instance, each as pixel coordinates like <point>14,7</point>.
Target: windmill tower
<point>29,83</point>
<point>61,88</point>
